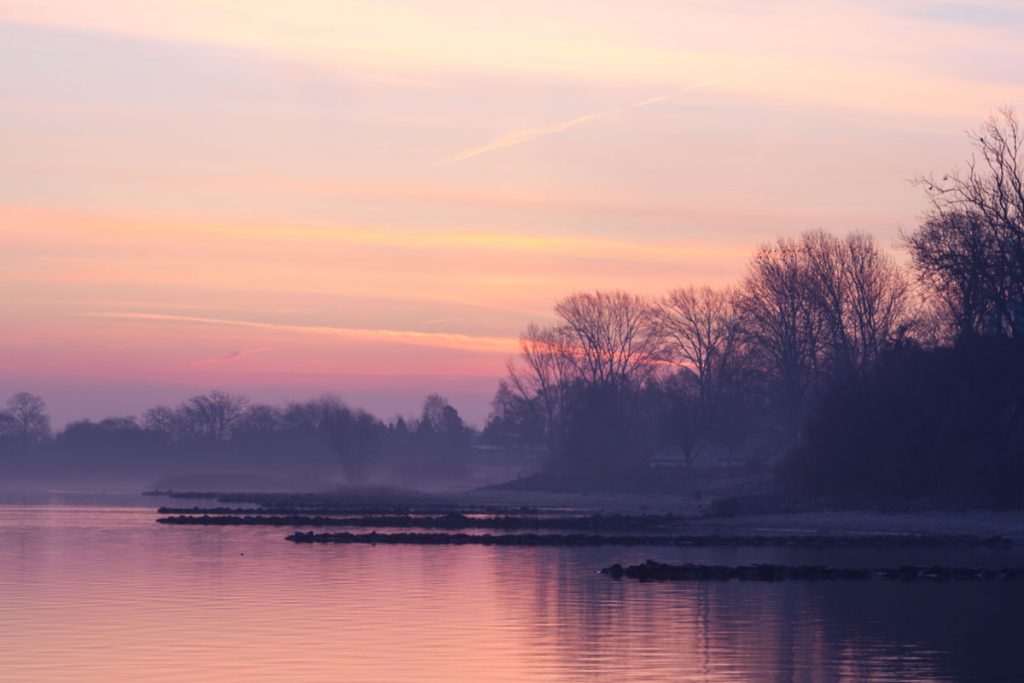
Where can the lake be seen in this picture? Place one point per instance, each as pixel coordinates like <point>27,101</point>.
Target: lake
<point>92,589</point>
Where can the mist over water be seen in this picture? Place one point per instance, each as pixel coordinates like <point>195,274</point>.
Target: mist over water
<point>92,589</point>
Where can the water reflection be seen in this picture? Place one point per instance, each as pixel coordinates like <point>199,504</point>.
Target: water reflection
<point>777,631</point>
<point>92,593</point>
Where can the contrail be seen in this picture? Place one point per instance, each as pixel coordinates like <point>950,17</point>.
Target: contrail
<point>443,340</point>
<point>520,136</point>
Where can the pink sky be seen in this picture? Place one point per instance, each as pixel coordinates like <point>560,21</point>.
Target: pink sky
<point>374,198</point>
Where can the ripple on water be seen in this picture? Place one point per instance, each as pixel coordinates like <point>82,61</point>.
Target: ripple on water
<point>102,593</point>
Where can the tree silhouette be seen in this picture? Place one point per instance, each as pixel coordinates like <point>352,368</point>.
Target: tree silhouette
<point>31,424</point>
<point>971,248</point>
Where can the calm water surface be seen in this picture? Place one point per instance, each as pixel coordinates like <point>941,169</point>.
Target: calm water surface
<point>93,589</point>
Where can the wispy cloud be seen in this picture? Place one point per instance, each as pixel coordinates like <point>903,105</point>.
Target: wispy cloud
<point>529,134</point>
<point>230,357</point>
<point>444,340</point>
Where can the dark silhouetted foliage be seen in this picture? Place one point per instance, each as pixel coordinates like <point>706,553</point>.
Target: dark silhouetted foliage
<point>945,423</point>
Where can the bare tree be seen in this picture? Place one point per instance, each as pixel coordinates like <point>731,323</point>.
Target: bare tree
<point>439,416</point>
<point>587,371</point>
<point>259,419</point>
<point>783,327</point>
<point>307,416</point>
<point>977,222</point>
<point>31,424</point>
<point>613,337</point>
<point>861,296</point>
<point>700,329</point>
<point>951,256</point>
<point>514,419</point>
<point>351,434</point>
<point>164,421</point>
<point>212,415</point>
<point>546,354</point>
<point>8,429</point>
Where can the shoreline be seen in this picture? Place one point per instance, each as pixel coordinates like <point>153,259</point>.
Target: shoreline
<point>688,516</point>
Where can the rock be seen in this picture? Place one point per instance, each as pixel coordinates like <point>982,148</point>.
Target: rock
<point>614,571</point>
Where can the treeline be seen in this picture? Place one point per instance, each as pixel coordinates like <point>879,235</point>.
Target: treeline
<point>223,432</point>
<point>865,378</point>
<point>858,376</point>
<point>621,376</point>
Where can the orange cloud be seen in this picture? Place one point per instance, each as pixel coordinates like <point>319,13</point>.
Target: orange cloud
<point>30,225</point>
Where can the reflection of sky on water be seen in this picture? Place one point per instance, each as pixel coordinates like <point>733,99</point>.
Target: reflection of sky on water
<point>104,593</point>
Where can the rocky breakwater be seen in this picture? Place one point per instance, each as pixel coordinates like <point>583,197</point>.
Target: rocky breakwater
<point>657,571</point>
<point>885,541</point>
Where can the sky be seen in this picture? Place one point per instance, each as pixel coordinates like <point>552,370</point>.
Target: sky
<point>375,198</point>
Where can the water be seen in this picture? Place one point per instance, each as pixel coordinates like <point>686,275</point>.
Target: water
<point>91,590</point>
